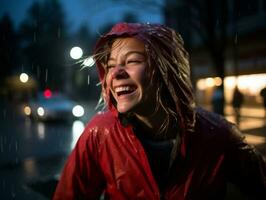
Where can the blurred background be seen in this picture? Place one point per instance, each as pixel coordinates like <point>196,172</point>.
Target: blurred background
<point>49,86</point>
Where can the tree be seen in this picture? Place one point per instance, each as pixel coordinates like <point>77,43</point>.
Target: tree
<point>44,42</point>
<point>213,17</point>
<point>208,21</point>
<point>84,85</point>
<point>83,38</point>
<point>9,48</point>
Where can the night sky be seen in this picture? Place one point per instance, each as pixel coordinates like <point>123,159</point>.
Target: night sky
<point>95,13</point>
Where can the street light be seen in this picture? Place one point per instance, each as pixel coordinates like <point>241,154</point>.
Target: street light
<point>24,77</point>
<point>76,53</point>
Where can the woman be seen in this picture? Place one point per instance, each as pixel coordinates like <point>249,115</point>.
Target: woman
<point>152,142</point>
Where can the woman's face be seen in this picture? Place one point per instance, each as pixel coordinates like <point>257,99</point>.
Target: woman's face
<point>126,76</point>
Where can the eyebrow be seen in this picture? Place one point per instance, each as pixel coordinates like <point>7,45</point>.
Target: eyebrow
<point>127,54</point>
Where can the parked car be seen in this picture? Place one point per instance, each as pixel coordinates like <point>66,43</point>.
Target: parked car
<point>48,106</point>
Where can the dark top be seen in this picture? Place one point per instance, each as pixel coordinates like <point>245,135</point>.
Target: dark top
<point>158,153</point>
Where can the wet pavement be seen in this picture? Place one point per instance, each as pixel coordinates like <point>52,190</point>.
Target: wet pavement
<point>253,125</point>
<point>32,154</point>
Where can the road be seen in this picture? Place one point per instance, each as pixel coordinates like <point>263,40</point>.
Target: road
<point>32,154</point>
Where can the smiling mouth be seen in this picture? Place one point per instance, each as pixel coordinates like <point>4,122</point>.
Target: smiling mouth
<point>124,90</point>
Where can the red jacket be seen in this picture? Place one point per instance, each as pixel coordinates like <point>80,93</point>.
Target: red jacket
<point>110,159</point>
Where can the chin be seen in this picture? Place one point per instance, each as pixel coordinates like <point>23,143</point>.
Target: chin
<point>126,107</point>
<point>124,110</point>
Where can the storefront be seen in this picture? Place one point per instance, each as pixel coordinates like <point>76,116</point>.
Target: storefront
<point>249,85</point>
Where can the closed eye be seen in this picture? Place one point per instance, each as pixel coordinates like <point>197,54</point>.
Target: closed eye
<point>133,61</point>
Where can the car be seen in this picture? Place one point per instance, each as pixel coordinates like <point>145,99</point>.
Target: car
<point>48,106</point>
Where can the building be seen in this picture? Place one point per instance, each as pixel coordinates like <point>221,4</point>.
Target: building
<point>238,30</point>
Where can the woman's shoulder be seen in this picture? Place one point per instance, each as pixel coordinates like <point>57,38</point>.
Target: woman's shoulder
<point>103,118</point>
<point>99,126</point>
<point>213,124</point>
<point>212,119</point>
<point>216,129</point>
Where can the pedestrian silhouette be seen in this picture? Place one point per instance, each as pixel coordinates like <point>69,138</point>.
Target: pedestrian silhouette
<point>237,102</point>
<point>217,101</point>
<point>263,95</point>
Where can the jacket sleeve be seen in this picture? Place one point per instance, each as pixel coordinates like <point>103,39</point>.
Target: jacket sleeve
<point>245,166</point>
<point>81,177</point>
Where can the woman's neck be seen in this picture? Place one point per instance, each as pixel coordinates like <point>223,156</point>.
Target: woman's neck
<point>152,124</point>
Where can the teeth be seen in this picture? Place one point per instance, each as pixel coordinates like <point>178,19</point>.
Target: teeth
<point>123,89</point>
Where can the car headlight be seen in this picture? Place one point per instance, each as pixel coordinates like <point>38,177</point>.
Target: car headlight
<point>27,110</point>
<point>78,111</point>
<point>40,111</point>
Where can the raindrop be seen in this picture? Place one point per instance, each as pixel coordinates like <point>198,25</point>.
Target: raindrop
<point>59,32</point>
<point>88,79</point>
<point>1,145</point>
<point>35,23</point>
<point>4,113</point>
<point>34,37</point>
<point>16,145</point>
<point>236,38</point>
<point>16,160</point>
<point>38,71</point>
<point>88,62</point>
<point>98,84</point>
<point>46,75</point>
<point>4,184</point>
<point>217,22</point>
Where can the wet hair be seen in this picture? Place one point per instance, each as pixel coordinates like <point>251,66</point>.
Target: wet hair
<point>168,68</point>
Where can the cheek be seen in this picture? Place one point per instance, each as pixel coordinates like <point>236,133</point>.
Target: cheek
<point>140,75</point>
<point>107,81</point>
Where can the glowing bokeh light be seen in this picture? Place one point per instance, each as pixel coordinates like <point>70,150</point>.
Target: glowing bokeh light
<point>24,77</point>
<point>77,129</point>
<point>40,111</point>
<point>89,61</point>
<point>27,110</point>
<point>47,93</point>
<point>76,53</point>
<point>78,111</point>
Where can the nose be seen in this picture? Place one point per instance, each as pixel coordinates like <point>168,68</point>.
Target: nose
<point>119,72</point>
